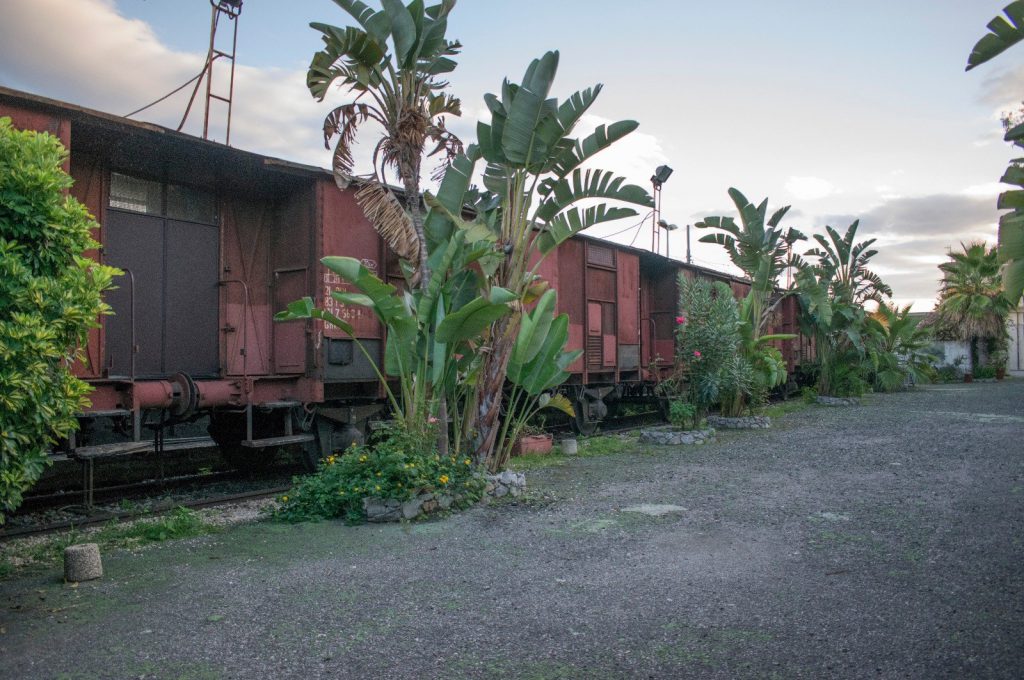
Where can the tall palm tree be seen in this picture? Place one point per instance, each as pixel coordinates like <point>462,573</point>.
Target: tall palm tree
<point>393,64</point>
<point>971,301</point>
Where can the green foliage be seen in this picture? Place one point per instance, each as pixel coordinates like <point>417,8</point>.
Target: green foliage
<point>398,465</point>
<point>1004,32</point>
<point>537,196</point>
<point>761,248</point>
<point>50,296</point>
<point>809,395</point>
<point>832,289</point>
<point>985,372</point>
<point>972,305</point>
<point>682,414</point>
<point>708,339</point>
<point>900,350</point>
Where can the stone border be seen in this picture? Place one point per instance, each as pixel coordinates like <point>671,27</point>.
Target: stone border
<point>741,423</point>
<point>838,401</point>
<point>668,435</point>
<point>381,510</point>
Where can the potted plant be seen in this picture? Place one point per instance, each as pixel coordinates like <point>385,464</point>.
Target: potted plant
<point>532,440</point>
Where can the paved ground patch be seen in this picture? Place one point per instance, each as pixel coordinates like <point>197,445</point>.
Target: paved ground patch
<point>879,540</point>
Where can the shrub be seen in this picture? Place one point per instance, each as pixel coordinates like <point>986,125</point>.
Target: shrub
<point>809,395</point>
<point>707,342</point>
<point>50,296</point>
<point>986,372</point>
<point>682,414</point>
<point>398,465</point>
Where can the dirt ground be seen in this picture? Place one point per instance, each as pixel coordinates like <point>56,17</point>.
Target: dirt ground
<point>883,540</point>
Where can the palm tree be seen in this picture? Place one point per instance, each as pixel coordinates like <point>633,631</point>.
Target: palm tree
<point>971,301</point>
<point>394,65</point>
<point>898,347</point>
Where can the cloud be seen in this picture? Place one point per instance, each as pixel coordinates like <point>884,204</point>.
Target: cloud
<point>123,65</point>
<point>809,188</point>
<point>949,215</point>
<point>1003,89</point>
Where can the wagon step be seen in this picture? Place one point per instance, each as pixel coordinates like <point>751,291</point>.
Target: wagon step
<point>278,441</point>
<point>110,450</point>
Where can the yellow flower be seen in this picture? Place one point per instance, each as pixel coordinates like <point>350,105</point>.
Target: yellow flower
<point>443,479</point>
<point>362,459</point>
<point>467,461</point>
<point>330,460</point>
<point>284,499</point>
<point>378,487</point>
<point>341,493</point>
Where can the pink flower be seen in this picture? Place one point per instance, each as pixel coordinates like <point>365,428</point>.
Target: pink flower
<point>680,320</point>
<point>431,420</point>
<point>696,353</point>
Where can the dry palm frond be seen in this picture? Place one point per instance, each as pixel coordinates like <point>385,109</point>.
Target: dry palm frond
<point>391,221</point>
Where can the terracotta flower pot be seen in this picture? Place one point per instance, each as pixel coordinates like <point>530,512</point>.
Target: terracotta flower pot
<point>968,377</point>
<point>533,444</point>
<point>1000,373</point>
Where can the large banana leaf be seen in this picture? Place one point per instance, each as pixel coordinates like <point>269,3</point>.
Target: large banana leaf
<point>602,137</point>
<point>520,141</point>
<point>547,368</point>
<point>1004,33</point>
<point>1011,252</point>
<point>573,221</point>
<point>533,329</point>
<point>472,319</point>
<point>560,194</point>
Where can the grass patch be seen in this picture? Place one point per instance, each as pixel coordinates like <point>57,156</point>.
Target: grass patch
<point>49,550</point>
<point>587,447</point>
<point>783,408</point>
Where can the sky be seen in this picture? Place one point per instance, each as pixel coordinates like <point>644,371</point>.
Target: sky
<point>844,110</point>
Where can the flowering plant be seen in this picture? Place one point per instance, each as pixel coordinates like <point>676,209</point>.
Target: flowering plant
<point>398,465</point>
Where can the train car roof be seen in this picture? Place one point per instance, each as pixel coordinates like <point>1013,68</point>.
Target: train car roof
<point>114,122</point>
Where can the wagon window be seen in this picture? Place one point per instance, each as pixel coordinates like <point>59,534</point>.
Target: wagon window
<point>191,205</point>
<point>134,194</point>
<point>600,256</point>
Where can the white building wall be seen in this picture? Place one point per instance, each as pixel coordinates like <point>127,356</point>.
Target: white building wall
<point>1015,327</point>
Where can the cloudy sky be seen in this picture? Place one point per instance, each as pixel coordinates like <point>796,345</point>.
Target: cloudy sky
<point>844,110</point>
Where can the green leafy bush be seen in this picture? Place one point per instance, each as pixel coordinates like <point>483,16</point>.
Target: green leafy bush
<point>398,465</point>
<point>809,395</point>
<point>682,414</point>
<point>50,296</point>
<point>707,341</point>
<point>986,372</point>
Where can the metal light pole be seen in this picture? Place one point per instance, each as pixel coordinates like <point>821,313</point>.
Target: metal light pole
<point>660,176</point>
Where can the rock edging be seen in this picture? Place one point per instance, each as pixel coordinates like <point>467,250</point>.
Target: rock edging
<point>838,401</point>
<point>670,436</point>
<point>741,423</point>
<point>382,510</point>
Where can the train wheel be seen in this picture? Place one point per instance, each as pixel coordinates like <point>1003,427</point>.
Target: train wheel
<point>228,430</point>
<point>584,423</point>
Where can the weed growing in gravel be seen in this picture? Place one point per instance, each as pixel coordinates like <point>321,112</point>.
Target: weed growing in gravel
<point>600,445</point>
<point>786,407</point>
<point>49,550</point>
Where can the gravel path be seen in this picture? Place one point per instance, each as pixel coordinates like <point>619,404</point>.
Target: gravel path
<point>883,540</point>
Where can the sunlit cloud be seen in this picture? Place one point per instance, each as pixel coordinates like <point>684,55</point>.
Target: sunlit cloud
<point>809,188</point>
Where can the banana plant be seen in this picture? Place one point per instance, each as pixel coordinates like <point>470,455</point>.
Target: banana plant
<point>535,184</point>
<point>538,365</point>
<point>433,333</point>
<point>762,249</point>
<point>1004,32</point>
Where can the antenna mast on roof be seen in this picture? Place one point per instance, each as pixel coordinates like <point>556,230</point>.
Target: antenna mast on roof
<point>230,9</point>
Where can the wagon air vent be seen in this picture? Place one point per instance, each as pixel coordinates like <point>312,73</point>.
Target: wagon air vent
<point>600,256</point>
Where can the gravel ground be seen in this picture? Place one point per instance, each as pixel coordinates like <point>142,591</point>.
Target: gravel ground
<point>882,540</point>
